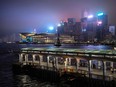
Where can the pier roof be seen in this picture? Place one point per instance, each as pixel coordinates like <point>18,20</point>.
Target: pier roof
<point>71,50</point>
<point>108,55</point>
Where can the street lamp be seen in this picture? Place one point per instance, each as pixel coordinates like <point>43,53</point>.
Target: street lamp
<point>58,43</point>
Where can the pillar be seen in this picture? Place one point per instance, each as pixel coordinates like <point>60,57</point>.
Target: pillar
<point>99,64</point>
<point>91,64</point>
<point>104,69</point>
<point>33,58</point>
<point>66,61</point>
<point>112,64</point>
<point>41,59</point>
<point>89,68</point>
<point>26,58</point>
<point>77,64</point>
<point>20,58</point>
<point>56,62</point>
<point>47,61</point>
<point>69,61</point>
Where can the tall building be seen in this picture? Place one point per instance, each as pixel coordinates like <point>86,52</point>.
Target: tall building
<point>88,29</point>
<point>44,38</point>
<point>71,21</point>
<point>103,19</point>
<point>84,13</point>
<point>102,24</point>
<point>71,28</point>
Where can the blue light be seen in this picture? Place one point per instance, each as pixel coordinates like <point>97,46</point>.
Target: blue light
<point>51,28</point>
<point>84,30</point>
<point>100,14</point>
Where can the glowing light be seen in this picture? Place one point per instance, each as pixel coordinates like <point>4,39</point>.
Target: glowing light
<point>84,30</point>
<point>51,28</point>
<point>99,22</point>
<point>100,14</point>
<point>59,25</point>
<point>114,48</point>
<point>90,16</point>
<point>34,30</point>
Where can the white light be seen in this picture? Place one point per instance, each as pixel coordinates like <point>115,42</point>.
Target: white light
<point>90,16</point>
<point>114,48</point>
<point>83,30</point>
<point>59,25</point>
<point>51,28</point>
<point>99,22</point>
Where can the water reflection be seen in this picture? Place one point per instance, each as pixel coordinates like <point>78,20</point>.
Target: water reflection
<point>89,47</point>
<point>97,47</point>
<point>27,81</point>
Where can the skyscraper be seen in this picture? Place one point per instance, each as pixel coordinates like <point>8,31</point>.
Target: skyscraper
<point>102,24</point>
<point>84,13</point>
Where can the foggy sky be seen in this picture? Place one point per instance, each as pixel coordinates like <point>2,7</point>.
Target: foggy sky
<point>25,15</point>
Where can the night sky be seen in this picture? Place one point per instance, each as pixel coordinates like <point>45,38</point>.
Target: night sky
<point>25,15</point>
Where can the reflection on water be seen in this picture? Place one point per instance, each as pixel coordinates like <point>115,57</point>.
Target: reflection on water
<point>98,47</point>
<point>26,81</point>
<point>87,47</point>
<point>7,79</point>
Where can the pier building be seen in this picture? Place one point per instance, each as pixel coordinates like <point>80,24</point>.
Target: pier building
<point>99,64</point>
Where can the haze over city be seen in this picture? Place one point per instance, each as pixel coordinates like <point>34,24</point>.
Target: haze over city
<point>25,15</point>
<point>57,43</point>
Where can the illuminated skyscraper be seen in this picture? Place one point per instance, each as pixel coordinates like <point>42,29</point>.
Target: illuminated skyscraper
<point>72,20</point>
<point>102,24</point>
<point>84,13</point>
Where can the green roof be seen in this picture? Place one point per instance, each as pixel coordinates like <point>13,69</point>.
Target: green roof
<point>70,50</point>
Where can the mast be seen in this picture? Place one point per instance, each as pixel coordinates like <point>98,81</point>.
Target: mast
<point>58,43</point>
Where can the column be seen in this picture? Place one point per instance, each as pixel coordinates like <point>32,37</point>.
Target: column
<point>20,58</point>
<point>89,68</point>
<point>47,61</point>
<point>104,69</point>
<point>77,64</point>
<point>33,61</point>
<point>91,63</point>
<point>99,64</point>
<point>26,58</point>
<point>57,62</point>
<point>69,61</point>
<point>112,64</point>
<point>66,61</point>
<point>41,59</point>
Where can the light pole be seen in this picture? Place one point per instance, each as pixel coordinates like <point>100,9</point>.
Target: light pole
<point>58,43</point>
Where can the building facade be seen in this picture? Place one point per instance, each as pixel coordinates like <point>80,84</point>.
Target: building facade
<point>45,38</point>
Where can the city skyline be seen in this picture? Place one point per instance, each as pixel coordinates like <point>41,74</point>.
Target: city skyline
<point>24,16</point>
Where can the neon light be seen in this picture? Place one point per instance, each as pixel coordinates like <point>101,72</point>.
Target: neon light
<point>100,14</point>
